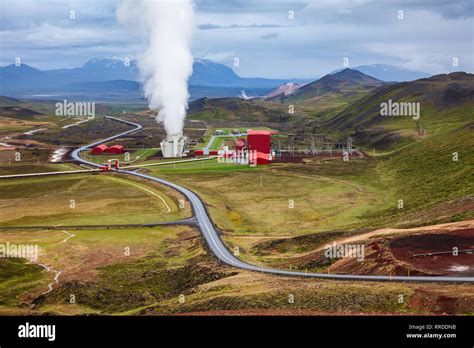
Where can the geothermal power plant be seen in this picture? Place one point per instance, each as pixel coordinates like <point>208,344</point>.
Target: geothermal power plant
<point>175,145</point>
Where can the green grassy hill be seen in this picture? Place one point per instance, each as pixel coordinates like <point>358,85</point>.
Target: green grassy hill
<point>319,100</point>
<point>415,157</point>
<point>434,186</point>
<point>235,111</point>
<point>20,113</point>
<point>446,103</point>
<point>331,94</point>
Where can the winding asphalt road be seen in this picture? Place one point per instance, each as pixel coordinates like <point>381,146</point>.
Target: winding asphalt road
<point>211,235</point>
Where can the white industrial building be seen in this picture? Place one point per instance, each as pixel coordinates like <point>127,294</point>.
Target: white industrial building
<point>175,145</point>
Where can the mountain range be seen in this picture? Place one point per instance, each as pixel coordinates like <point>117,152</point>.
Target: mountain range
<point>111,75</point>
<point>109,78</point>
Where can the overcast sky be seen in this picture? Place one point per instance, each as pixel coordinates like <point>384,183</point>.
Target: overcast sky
<point>268,41</point>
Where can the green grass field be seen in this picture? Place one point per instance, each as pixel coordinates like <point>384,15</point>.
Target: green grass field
<point>18,277</point>
<point>426,175</point>
<point>246,200</point>
<point>85,200</point>
<point>14,168</point>
<point>205,166</point>
<point>98,256</point>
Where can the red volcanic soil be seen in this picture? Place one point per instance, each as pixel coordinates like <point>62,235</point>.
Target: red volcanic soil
<point>462,265</point>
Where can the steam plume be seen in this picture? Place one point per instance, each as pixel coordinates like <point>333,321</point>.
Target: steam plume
<point>167,63</point>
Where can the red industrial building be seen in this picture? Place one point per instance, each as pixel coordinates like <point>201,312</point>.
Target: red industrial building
<point>258,142</point>
<point>116,149</point>
<point>99,149</point>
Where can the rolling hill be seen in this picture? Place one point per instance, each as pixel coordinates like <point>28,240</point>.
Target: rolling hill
<point>19,113</point>
<point>347,83</point>
<point>329,95</point>
<point>389,73</point>
<point>236,112</point>
<point>446,102</point>
<point>427,163</point>
<point>319,100</point>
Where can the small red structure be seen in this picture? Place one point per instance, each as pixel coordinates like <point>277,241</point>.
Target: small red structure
<point>114,163</point>
<point>99,149</point>
<point>200,152</point>
<point>116,149</point>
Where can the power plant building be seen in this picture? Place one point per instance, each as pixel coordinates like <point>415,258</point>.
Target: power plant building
<point>175,145</point>
<point>258,145</point>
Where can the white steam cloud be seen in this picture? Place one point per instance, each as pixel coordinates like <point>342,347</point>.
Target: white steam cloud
<point>243,95</point>
<point>167,63</point>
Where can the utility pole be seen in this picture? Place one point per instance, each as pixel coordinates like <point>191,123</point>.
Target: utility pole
<point>349,145</point>
<point>313,146</point>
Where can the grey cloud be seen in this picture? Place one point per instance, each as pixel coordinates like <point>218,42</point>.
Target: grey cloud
<point>446,8</point>
<point>322,33</point>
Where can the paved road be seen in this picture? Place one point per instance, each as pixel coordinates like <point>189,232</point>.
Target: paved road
<point>211,235</point>
<point>210,142</point>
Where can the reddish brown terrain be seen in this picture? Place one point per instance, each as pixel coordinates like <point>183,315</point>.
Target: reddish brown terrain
<point>405,247</point>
